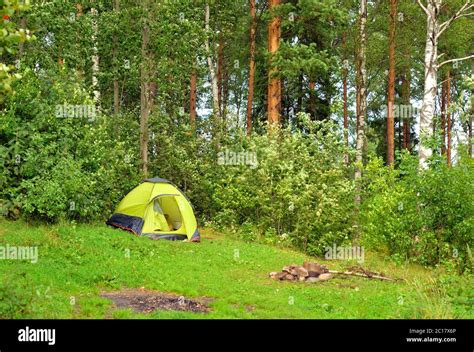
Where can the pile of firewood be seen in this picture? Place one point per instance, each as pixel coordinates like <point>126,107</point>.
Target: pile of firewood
<point>309,272</point>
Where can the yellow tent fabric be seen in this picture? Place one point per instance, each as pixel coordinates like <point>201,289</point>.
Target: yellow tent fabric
<point>157,209</point>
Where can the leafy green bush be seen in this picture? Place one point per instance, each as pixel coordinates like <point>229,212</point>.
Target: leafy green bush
<point>61,165</point>
<point>426,217</point>
<point>288,187</point>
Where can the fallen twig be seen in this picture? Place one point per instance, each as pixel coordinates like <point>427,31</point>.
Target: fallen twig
<point>371,276</point>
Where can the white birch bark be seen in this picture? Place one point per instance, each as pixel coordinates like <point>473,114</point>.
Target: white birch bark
<point>430,82</point>
<point>433,31</point>
<point>95,59</point>
<point>362,79</point>
<point>214,85</point>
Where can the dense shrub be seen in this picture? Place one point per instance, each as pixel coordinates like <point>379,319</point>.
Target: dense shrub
<point>297,192</point>
<point>425,217</point>
<point>299,189</point>
<point>58,166</point>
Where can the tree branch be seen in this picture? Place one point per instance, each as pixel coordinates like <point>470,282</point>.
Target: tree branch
<point>455,60</point>
<point>457,15</point>
<point>366,275</point>
<point>424,8</point>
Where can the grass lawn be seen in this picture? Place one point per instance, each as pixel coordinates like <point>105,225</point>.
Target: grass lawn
<point>76,263</point>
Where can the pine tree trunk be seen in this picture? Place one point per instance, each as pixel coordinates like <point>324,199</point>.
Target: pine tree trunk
<point>21,45</point>
<point>300,93</point>
<point>391,86</point>
<point>443,117</point>
<point>312,100</point>
<point>253,29</point>
<point>225,92</point>
<point>274,83</point>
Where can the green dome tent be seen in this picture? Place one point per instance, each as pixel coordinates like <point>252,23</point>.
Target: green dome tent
<point>157,209</point>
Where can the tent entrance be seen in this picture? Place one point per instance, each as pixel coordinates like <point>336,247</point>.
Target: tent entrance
<point>163,215</point>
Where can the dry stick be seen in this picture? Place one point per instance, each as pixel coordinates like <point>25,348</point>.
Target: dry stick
<point>351,273</point>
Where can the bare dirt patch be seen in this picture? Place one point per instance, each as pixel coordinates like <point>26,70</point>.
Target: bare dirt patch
<point>145,301</point>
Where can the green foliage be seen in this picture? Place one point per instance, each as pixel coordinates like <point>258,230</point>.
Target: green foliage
<point>288,186</point>
<point>10,37</point>
<point>299,188</point>
<point>425,217</point>
<point>61,162</point>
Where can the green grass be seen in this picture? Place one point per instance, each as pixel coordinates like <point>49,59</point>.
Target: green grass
<point>78,262</point>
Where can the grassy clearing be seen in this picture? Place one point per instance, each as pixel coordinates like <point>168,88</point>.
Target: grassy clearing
<point>78,262</point>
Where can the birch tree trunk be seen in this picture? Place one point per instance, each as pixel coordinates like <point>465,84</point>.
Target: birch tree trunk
<point>220,70</point>
<point>433,31</point>
<point>406,101</point>
<point>144,94</point>
<point>210,63</point>
<point>430,82</point>
<point>448,119</point>
<point>192,97</point>
<point>252,66</point>
<point>362,99</point>
<point>114,55</point>
<point>471,116</point>
<point>344,98</point>
<point>79,14</point>
<point>95,58</point>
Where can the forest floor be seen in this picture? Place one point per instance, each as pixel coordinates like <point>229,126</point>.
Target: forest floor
<point>91,271</point>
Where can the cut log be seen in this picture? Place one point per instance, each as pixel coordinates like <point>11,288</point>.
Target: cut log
<point>294,269</point>
<point>314,269</point>
<point>302,272</point>
<point>290,269</point>
<point>325,277</point>
<point>278,276</point>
